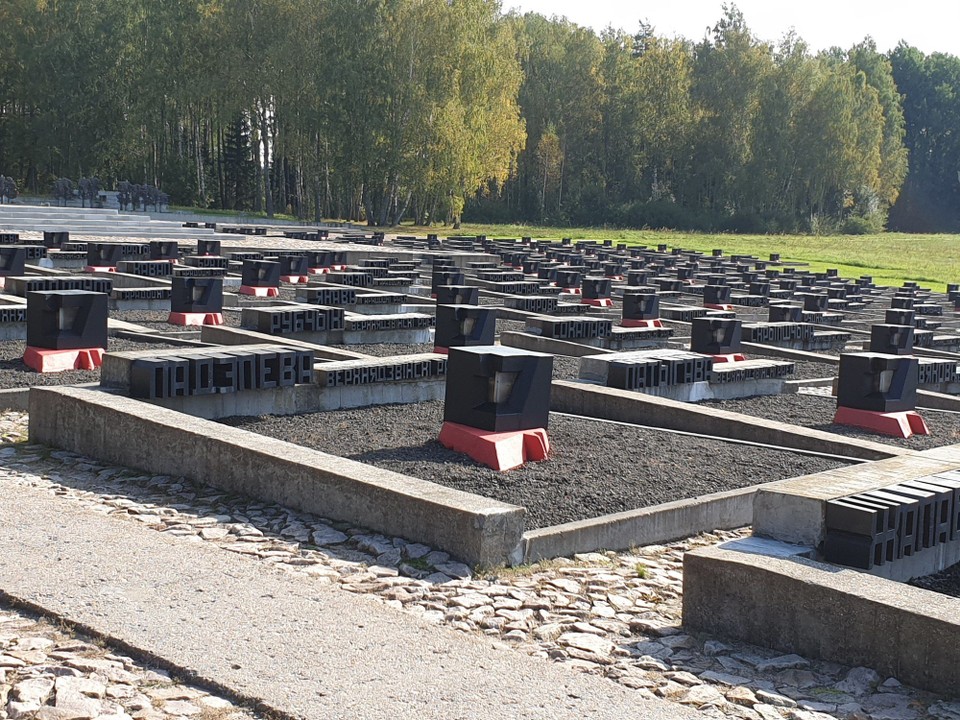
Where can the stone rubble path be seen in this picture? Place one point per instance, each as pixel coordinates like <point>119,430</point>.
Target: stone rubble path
<point>610,615</point>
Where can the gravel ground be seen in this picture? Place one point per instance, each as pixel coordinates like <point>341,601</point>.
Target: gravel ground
<point>817,412</point>
<point>157,319</point>
<point>946,582</point>
<point>594,468</point>
<point>14,374</point>
<point>803,370</point>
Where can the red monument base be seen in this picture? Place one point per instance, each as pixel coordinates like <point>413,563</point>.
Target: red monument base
<point>295,279</point>
<point>259,291</point>
<point>44,360</point>
<point>713,306</point>
<point>641,323</point>
<point>99,268</point>
<point>732,357</point>
<point>896,424</point>
<point>498,450</point>
<point>176,318</point>
<point>597,302</point>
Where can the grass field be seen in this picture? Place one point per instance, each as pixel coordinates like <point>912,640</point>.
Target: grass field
<point>891,258</point>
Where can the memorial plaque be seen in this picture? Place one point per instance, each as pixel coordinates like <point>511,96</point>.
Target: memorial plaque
<point>465,325</point>
<point>498,388</point>
<point>290,320</point>
<point>146,268</point>
<point>560,329</point>
<point>225,370</point>
<point>713,336</point>
<point>891,339</point>
<point>196,295</point>
<point>66,319</point>
<point>877,382</point>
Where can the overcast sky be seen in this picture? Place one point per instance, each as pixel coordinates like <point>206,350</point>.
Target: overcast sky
<point>925,24</point>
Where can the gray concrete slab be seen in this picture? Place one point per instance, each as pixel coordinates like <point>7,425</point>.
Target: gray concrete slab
<point>290,644</point>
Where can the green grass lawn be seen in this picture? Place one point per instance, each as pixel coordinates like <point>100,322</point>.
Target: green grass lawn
<point>891,258</point>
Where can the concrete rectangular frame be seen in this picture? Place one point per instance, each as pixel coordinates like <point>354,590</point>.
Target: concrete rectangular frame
<point>123,431</point>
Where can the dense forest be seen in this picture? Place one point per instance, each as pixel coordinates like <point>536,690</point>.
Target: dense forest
<point>433,110</point>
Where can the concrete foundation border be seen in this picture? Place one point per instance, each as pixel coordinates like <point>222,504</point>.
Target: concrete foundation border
<point>625,406</point>
<point>796,605</point>
<point>645,526</point>
<point>122,431</point>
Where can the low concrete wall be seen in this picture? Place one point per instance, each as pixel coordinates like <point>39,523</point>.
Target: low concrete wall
<point>536,343</point>
<point>820,611</point>
<point>127,432</point>
<point>644,526</point>
<point>15,399</point>
<point>224,335</point>
<point>794,510</point>
<point>625,406</point>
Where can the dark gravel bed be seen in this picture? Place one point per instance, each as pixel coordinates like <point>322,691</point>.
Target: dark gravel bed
<point>594,468</point>
<point>157,319</point>
<point>510,326</point>
<point>946,582</point>
<point>803,370</point>
<point>566,368</point>
<point>14,374</point>
<point>816,411</point>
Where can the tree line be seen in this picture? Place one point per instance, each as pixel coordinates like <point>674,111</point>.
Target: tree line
<point>431,110</point>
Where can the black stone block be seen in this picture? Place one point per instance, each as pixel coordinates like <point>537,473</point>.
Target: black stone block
<point>465,325</point>
<point>103,254</point>
<point>568,278</point>
<point>208,247</point>
<point>164,250</point>
<point>593,288</point>
<point>260,273</point>
<point>712,336</point>
<point>445,276</point>
<point>813,302</point>
<point>640,305</point>
<point>876,382</point>
<point>716,295</point>
<point>196,295</point>
<point>13,260</point>
<point>900,317</point>
<point>785,313</point>
<point>457,295</point>
<point>891,339</point>
<point>66,319</point>
<point>901,303</point>
<point>56,238</point>
<point>498,388</point>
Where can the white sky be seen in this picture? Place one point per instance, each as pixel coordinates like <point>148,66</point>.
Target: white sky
<point>931,26</point>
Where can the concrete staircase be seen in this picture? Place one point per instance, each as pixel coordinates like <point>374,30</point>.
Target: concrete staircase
<point>93,221</point>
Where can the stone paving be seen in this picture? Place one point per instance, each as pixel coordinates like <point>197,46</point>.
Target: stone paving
<point>48,673</point>
<point>610,614</point>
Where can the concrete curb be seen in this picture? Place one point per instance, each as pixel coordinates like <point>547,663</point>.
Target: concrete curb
<point>644,526</point>
<point>625,406</point>
<point>127,432</point>
<point>823,611</point>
